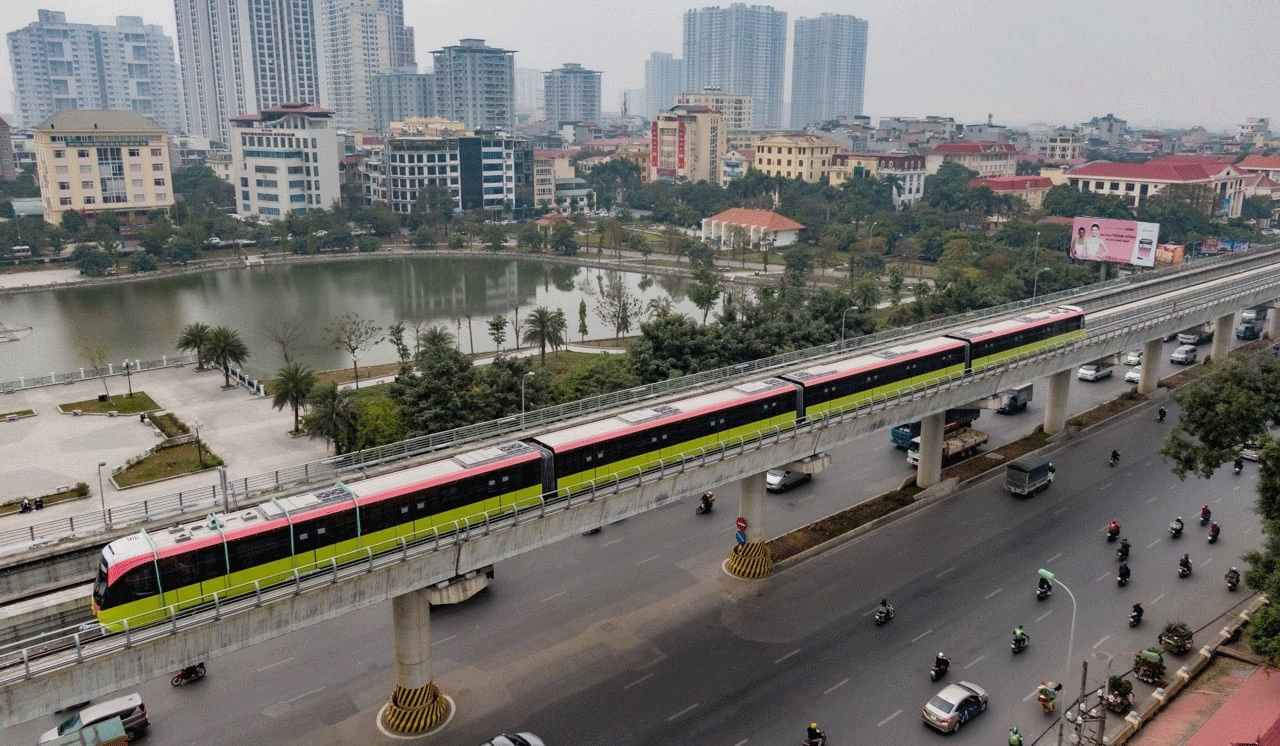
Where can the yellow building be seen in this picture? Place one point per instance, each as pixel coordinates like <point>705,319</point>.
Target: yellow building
<point>95,161</point>
<point>806,157</point>
<point>686,143</point>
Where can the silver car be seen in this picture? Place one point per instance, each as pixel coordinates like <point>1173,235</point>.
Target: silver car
<point>954,706</point>
<point>781,480</point>
<point>514,739</point>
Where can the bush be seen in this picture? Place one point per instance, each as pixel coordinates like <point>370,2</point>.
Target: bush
<point>82,489</point>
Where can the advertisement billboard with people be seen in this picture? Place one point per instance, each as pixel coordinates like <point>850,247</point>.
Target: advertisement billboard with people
<point>1118,241</point>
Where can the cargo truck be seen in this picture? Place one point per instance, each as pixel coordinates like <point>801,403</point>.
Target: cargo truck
<point>1028,475</point>
<point>1014,400</point>
<point>955,445</point>
<point>956,419</point>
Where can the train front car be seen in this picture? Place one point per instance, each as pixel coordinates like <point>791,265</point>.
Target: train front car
<point>843,385</point>
<point>1000,341</point>
<point>623,446</point>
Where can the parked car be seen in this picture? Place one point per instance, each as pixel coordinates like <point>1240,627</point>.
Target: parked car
<point>781,480</point>
<point>1133,375</point>
<point>1250,451</point>
<point>1133,358</point>
<point>1093,372</point>
<point>514,739</point>
<point>1248,331</point>
<point>129,708</point>
<point>1184,355</point>
<point>954,706</point>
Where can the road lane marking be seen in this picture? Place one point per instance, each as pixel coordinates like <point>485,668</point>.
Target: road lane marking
<point>788,655</point>
<point>555,596</point>
<point>974,662</point>
<point>1151,499</point>
<point>1029,696</point>
<point>1097,644</point>
<point>1062,510</point>
<point>882,723</point>
<point>993,594</point>
<point>685,711</point>
<point>917,638</point>
<point>1103,577</point>
<point>1206,562</point>
<point>610,543</point>
<point>739,743</point>
<point>1054,557</point>
<point>654,557</point>
<point>944,572</point>
<point>1042,616</point>
<point>273,665</point>
<point>1156,600</point>
<point>304,695</point>
<point>638,681</point>
<point>837,686</point>
<point>1157,541</point>
<point>437,642</point>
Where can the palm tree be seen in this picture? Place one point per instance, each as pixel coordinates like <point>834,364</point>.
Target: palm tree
<point>544,327</point>
<point>332,416</point>
<point>224,348</point>
<point>294,383</point>
<point>195,338</point>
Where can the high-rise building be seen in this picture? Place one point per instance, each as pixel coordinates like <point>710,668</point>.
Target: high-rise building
<point>475,84</point>
<point>572,95</point>
<point>830,82</point>
<point>663,80</point>
<point>399,96</point>
<point>128,66</point>
<point>283,160</point>
<point>359,39</point>
<point>736,111</point>
<point>531,99</point>
<point>740,49</point>
<point>686,144</point>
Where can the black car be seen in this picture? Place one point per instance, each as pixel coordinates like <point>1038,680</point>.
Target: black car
<point>1248,332</point>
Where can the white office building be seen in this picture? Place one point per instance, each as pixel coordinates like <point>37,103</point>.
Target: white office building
<point>65,66</point>
<point>740,49</point>
<point>530,95</point>
<point>400,96</point>
<point>284,159</point>
<point>831,81</point>
<point>572,95</point>
<point>663,81</point>
<point>359,40</point>
<point>475,85</point>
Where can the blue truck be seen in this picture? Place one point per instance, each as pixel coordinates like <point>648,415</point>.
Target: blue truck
<point>957,419</point>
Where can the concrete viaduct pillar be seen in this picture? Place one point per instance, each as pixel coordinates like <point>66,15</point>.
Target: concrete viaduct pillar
<point>1152,349</point>
<point>1273,324</point>
<point>1223,331</point>
<point>1055,408</point>
<point>417,704</point>
<point>929,470</point>
<point>752,559</point>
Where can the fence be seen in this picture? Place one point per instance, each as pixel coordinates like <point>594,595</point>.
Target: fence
<point>88,374</point>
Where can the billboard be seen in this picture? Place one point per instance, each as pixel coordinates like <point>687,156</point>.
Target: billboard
<point>1119,241</point>
<point>1170,255</point>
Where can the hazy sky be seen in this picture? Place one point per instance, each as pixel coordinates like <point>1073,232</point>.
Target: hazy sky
<point>1167,63</point>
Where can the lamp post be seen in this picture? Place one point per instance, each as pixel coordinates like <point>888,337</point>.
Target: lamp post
<point>1035,251</point>
<point>1071,638</point>
<point>523,380</point>
<point>128,374</point>
<point>102,495</point>
<point>1035,283</point>
<point>843,316</point>
<point>199,449</point>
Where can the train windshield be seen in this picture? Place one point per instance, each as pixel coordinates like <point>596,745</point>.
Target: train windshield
<point>100,585</point>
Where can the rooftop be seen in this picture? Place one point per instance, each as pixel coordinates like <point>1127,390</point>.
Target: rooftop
<point>764,219</point>
<point>87,120</point>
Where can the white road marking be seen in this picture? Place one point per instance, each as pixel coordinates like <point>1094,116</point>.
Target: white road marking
<point>1062,510</point>
<point>437,642</point>
<point>788,655</point>
<point>1151,499</point>
<point>881,724</point>
<point>739,743</point>
<point>555,596</point>
<point>610,543</point>
<point>1029,696</point>
<point>1042,616</point>
<point>1097,644</point>
<point>944,572</point>
<point>273,665</point>
<point>1207,562</point>
<point>1156,600</point>
<point>922,635</point>
<point>638,681</point>
<point>1157,541</point>
<point>993,594</point>
<point>837,686</point>
<point>304,695</point>
<point>1054,557</point>
<point>974,662</point>
<point>685,711</point>
<point>650,559</point>
<point>1103,577</point>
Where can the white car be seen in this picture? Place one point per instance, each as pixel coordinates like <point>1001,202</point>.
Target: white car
<point>1133,358</point>
<point>1184,355</point>
<point>1133,375</point>
<point>514,739</point>
<point>1093,372</point>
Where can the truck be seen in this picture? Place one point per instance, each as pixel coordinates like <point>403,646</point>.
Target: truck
<point>1028,475</point>
<point>955,420</point>
<point>1014,400</point>
<point>961,443</point>
<point>1196,335</point>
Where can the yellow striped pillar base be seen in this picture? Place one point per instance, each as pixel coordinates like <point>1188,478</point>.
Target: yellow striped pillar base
<point>416,710</point>
<point>751,560</point>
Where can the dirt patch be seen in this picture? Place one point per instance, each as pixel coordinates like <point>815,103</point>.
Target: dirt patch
<point>840,523</point>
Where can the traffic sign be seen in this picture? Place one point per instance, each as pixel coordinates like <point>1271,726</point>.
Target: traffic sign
<point>741,523</point>
<point>741,536</point>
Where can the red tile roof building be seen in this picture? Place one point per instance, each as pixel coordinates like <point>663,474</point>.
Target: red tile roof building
<point>987,158</point>
<point>1029,189</point>
<point>1265,164</point>
<point>758,226</point>
<point>1136,182</point>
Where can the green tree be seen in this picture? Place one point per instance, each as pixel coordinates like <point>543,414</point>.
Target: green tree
<point>91,261</point>
<point>294,383</point>
<point>1257,208</point>
<point>331,415</point>
<point>544,327</point>
<point>195,338</point>
<point>395,333</point>
<point>226,348</point>
<point>498,330</point>
<point>582,319</point>
<point>562,239</point>
<point>494,237</point>
<point>896,280</point>
<point>617,306</point>
<point>353,333</point>
<point>706,289</point>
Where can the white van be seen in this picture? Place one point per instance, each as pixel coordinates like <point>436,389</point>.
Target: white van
<point>1184,355</point>
<point>129,708</point>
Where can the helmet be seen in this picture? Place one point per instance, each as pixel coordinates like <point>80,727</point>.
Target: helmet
<point>940,655</point>
<point>1234,570</point>
<point>813,725</point>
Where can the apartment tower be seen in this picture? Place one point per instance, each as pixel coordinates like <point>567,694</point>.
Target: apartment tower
<point>830,82</point>
<point>740,49</point>
<point>572,95</point>
<point>475,85</point>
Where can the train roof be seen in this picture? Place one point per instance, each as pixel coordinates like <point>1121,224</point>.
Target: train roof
<point>991,327</point>
<point>489,457</point>
<point>839,368</point>
<point>667,411</point>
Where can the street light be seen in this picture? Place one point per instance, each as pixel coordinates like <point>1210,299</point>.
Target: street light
<point>1071,638</point>
<point>523,379</point>
<point>102,495</point>
<point>199,449</point>
<point>1035,283</point>
<point>128,374</point>
<point>843,316</point>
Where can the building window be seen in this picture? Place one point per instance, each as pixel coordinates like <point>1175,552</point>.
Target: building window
<point>135,168</point>
<point>64,201</point>
<point>64,186</point>
<point>158,182</point>
<point>86,185</point>
<point>82,153</point>
<point>62,170</point>
<point>137,183</point>
<point>135,152</point>
<point>59,154</point>
<point>155,152</point>
<point>91,200</point>
<point>86,169</point>
<point>157,166</point>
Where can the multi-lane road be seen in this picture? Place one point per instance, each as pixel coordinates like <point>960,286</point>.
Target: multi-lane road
<point>636,636</point>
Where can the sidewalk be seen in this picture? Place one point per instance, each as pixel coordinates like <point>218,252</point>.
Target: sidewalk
<point>1231,702</point>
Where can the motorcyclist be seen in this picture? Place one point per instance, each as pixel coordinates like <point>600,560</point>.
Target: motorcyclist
<point>1185,563</point>
<point>26,506</point>
<point>1019,636</point>
<point>815,736</point>
<point>942,662</point>
<point>1123,551</point>
<point>1015,738</point>
<point>1177,524</point>
<point>1239,463</point>
<point>1113,529</point>
<point>1044,585</point>
<point>1232,577</point>
<point>1123,572</point>
<point>1136,612</point>
<point>1205,513</point>
<point>707,498</point>
<point>1161,413</point>
<point>1214,530</point>
<point>886,608</point>
<point>1115,456</point>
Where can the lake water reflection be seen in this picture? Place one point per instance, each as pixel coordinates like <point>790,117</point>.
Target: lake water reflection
<point>142,320</point>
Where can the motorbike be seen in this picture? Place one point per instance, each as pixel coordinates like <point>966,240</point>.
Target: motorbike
<point>1175,530</point>
<point>1214,530</point>
<point>883,616</point>
<point>1043,592</point>
<point>1160,414</point>
<point>1134,619</point>
<point>821,741</point>
<point>1239,466</point>
<point>1019,644</point>
<point>1048,701</point>
<point>936,672</point>
<point>1122,553</point>
<point>188,675</point>
<point>1115,460</point>
<point>1113,531</point>
<point>1205,515</point>
<point>1122,578</point>
<point>1233,582</point>
<point>705,503</point>
<point>1184,570</point>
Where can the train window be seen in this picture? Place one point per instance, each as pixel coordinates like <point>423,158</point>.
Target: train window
<point>141,581</point>
<point>305,535</point>
<point>210,562</point>
<point>321,531</point>
<point>177,571</point>
<point>247,552</point>
<point>404,509</point>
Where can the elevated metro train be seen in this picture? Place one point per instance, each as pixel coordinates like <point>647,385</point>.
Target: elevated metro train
<point>146,576</point>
